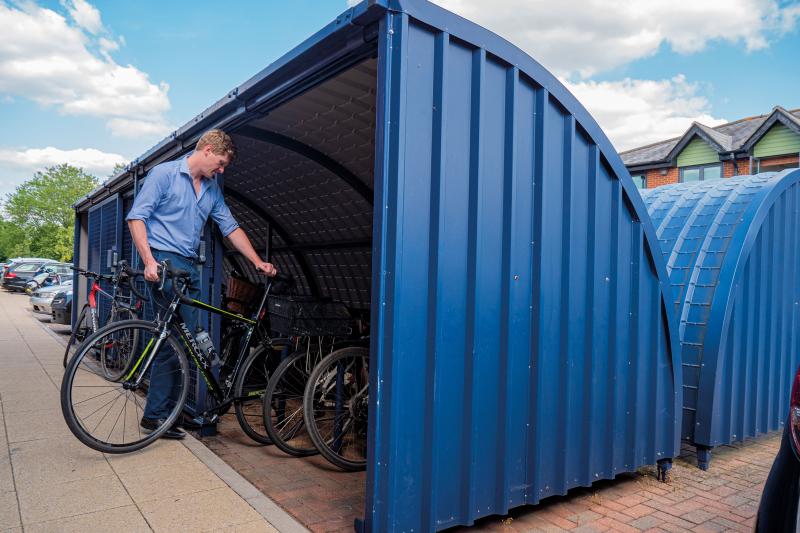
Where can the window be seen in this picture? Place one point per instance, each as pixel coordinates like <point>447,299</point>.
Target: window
<point>27,267</point>
<point>640,180</point>
<point>701,173</point>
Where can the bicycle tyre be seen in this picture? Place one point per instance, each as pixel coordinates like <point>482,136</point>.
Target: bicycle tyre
<point>317,398</point>
<point>114,370</point>
<point>287,386</point>
<point>79,332</point>
<point>249,387</point>
<point>68,408</point>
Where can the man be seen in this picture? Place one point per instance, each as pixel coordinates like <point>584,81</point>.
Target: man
<point>166,222</point>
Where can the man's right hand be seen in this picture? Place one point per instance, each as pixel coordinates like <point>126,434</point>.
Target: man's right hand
<point>151,271</point>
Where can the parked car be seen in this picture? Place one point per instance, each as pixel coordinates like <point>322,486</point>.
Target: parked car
<point>16,260</point>
<point>778,510</point>
<point>43,297</point>
<point>19,274</point>
<point>49,274</point>
<point>62,307</point>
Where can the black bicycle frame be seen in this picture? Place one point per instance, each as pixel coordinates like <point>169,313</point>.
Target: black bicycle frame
<point>173,318</point>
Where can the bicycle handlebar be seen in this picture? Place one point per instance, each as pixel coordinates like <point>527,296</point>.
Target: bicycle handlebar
<point>90,274</point>
<point>165,271</point>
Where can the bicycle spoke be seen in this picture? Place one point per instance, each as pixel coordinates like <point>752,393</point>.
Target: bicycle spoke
<point>93,397</point>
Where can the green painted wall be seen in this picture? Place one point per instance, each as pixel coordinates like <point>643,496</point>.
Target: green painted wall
<point>779,140</point>
<point>697,152</point>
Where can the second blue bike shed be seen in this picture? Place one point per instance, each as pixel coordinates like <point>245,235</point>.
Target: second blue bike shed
<point>731,248</point>
<point>408,162</point>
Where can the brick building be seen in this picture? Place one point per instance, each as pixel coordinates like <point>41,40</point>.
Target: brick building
<point>755,144</point>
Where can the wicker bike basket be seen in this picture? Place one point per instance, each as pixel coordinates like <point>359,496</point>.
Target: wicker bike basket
<point>305,316</point>
<point>240,296</point>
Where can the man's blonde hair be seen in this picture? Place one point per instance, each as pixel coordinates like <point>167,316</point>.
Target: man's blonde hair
<point>220,142</point>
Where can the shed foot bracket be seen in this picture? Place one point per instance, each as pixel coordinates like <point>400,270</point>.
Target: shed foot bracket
<point>664,473</point>
<point>202,426</point>
<point>703,457</point>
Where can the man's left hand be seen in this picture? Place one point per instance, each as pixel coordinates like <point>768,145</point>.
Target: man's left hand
<point>267,268</point>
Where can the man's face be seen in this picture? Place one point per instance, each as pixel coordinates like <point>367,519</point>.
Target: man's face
<point>213,163</point>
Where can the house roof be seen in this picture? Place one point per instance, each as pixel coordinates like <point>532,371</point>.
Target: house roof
<point>736,136</point>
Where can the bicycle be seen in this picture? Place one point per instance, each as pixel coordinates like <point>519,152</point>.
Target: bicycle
<point>122,308</point>
<point>335,407</point>
<point>283,398</point>
<point>104,414</point>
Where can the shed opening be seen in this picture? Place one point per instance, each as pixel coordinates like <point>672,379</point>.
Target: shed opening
<point>302,187</point>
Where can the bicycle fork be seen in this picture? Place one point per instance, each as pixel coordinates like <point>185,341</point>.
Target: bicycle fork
<point>149,352</point>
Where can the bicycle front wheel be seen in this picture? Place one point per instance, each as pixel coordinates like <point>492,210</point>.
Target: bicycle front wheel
<point>283,405</point>
<point>335,406</point>
<point>106,415</point>
<point>251,382</point>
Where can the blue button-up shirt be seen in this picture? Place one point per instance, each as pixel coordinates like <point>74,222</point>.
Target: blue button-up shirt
<point>173,214</point>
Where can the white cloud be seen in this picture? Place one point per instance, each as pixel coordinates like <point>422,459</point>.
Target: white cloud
<point>132,128</point>
<point>17,166</point>
<point>45,58</point>
<point>84,14</point>
<point>634,113</point>
<point>107,45</point>
<point>584,37</point>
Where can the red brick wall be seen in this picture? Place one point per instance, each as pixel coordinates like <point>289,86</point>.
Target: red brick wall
<point>655,179</point>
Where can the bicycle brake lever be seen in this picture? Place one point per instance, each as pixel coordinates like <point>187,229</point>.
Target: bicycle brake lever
<point>164,269</point>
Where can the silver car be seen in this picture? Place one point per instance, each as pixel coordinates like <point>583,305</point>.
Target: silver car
<point>42,298</point>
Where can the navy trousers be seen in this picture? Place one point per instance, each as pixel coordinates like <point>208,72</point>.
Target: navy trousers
<point>163,391</point>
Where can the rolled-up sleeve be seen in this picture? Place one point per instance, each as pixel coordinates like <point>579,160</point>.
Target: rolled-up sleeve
<point>149,196</point>
<point>221,214</point>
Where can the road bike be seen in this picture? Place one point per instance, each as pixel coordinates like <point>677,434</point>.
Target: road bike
<point>105,413</point>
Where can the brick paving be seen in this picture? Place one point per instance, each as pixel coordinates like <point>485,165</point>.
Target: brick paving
<point>319,495</point>
<point>725,498</point>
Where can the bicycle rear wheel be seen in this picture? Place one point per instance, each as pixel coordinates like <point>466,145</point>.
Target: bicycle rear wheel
<point>105,415</point>
<point>251,382</point>
<point>283,405</point>
<point>335,406</point>
<point>82,329</point>
<point>114,363</point>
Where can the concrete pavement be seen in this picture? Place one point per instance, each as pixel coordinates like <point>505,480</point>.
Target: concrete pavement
<point>49,481</point>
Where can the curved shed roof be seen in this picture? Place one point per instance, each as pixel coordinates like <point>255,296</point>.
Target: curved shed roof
<point>731,248</point>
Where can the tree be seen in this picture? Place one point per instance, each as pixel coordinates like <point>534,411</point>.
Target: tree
<point>118,167</point>
<point>41,208</point>
<point>12,241</point>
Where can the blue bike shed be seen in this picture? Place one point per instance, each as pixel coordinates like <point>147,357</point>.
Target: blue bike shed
<point>410,163</point>
<point>731,250</point>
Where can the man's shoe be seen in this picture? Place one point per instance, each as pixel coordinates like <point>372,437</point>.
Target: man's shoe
<point>149,424</point>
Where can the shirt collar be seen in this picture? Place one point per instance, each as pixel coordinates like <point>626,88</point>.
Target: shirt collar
<point>183,168</point>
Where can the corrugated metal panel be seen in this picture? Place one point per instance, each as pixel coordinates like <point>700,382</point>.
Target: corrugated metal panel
<point>126,252</point>
<point>95,218</point>
<point>731,250</point>
<point>779,140</point>
<point>697,152</point>
<point>521,346</point>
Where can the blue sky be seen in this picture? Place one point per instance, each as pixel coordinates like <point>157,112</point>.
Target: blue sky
<point>93,83</point>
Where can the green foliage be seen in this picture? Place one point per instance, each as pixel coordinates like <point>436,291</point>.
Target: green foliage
<point>12,241</point>
<point>38,218</point>
<point>118,167</point>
